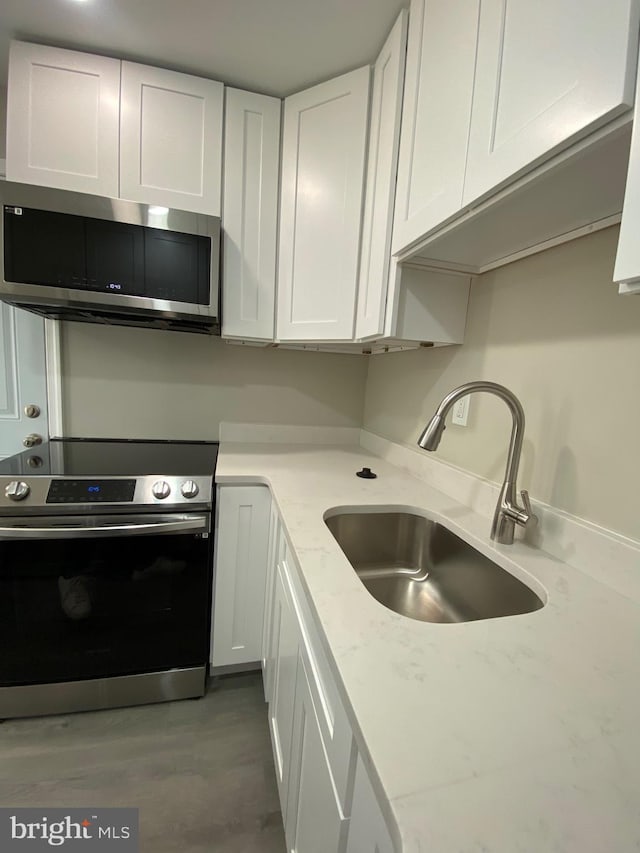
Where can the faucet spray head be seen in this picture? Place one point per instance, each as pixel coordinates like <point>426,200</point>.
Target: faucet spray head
<point>430,438</point>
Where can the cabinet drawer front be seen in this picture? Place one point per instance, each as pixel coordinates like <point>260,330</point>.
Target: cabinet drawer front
<point>332,718</point>
<point>62,119</point>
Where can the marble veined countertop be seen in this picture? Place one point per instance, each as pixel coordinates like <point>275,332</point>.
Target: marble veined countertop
<point>509,735</point>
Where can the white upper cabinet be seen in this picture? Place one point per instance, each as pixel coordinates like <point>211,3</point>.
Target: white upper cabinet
<point>546,74</point>
<point>62,119</point>
<point>435,116</point>
<point>323,159</point>
<point>171,139</point>
<point>96,125</point>
<point>627,268</point>
<point>384,135</point>
<point>426,305</point>
<point>250,214</point>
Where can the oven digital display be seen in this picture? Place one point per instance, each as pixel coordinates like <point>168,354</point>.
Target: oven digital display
<point>90,491</point>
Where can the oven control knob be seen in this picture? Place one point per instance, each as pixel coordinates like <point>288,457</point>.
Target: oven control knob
<point>189,489</point>
<point>161,489</point>
<point>17,490</point>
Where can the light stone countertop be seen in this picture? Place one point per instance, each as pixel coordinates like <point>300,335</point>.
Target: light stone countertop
<point>509,735</point>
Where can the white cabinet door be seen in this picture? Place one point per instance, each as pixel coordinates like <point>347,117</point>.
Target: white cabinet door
<point>284,652</point>
<point>274,555</point>
<point>314,821</point>
<point>368,831</point>
<point>250,214</point>
<point>324,143</point>
<point>62,119</point>
<point>435,116</point>
<point>547,73</point>
<point>627,269</point>
<point>170,139</point>
<point>384,136</point>
<point>242,533</point>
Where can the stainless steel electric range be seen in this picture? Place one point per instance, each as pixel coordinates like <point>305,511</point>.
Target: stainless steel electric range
<point>106,557</point>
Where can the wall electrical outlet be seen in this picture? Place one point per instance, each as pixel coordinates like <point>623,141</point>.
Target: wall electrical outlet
<point>460,411</point>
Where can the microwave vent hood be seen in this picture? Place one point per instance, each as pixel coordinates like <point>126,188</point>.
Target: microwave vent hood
<point>71,256</point>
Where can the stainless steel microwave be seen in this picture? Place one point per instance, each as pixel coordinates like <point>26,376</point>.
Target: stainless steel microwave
<point>71,256</point>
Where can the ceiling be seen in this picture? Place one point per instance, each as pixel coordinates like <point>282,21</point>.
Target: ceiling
<point>271,46</point>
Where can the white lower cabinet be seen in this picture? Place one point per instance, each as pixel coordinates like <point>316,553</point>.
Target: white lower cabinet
<point>276,541</point>
<point>313,745</point>
<point>262,613</point>
<point>368,832</point>
<point>242,535</point>
<point>314,820</point>
<point>284,653</point>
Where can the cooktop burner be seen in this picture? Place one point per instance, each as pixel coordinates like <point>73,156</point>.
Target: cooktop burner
<point>79,457</point>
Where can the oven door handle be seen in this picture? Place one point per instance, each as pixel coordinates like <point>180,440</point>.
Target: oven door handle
<point>194,524</point>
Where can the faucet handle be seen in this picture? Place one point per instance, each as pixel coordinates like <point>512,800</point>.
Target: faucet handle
<point>532,517</point>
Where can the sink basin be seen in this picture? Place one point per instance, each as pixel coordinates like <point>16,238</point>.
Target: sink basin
<point>420,569</point>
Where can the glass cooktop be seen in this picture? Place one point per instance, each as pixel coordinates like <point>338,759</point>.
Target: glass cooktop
<point>78,457</point>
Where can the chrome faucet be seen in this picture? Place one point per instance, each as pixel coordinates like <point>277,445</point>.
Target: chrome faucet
<point>507,513</point>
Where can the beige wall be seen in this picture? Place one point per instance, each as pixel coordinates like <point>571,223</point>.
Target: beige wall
<point>553,329</point>
<point>121,382</point>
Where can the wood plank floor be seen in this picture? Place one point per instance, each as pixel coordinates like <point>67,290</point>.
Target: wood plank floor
<point>200,771</point>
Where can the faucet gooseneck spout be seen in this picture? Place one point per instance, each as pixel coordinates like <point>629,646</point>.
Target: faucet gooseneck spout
<point>508,513</point>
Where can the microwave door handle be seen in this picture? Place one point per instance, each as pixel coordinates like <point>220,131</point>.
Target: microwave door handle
<point>199,523</point>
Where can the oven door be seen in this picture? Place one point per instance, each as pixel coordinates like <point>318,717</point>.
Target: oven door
<point>86,597</point>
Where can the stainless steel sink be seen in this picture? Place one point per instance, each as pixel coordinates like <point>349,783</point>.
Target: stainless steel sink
<point>420,569</point>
